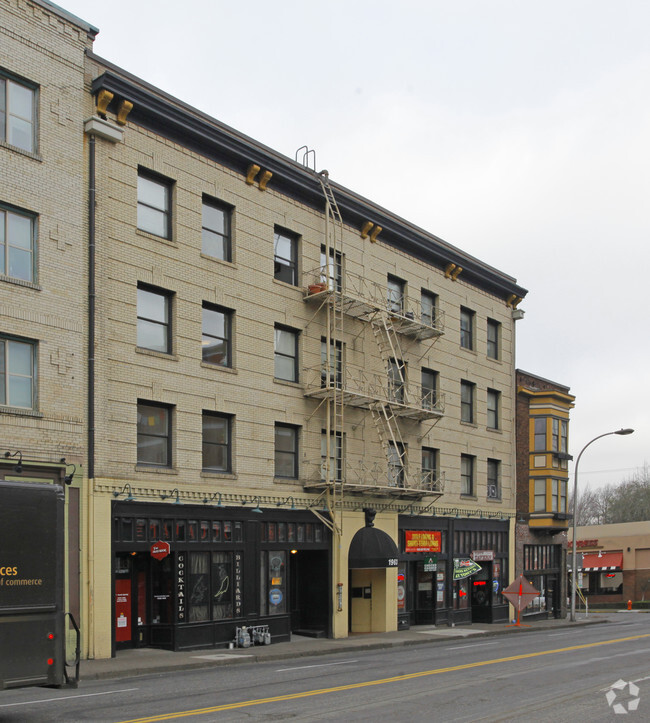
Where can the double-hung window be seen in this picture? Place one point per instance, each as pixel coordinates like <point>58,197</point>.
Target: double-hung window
<point>17,373</point>
<point>396,380</point>
<point>493,479</point>
<point>540,434</point>
<point>17,245</point>
<point>331,373</point>
<point>429,467</point>
<point>285,250</point>
<point>331,459</point>
<point>154,434</point>
<point>17,114</point>
<point>396,464</point>
<point>216,239</point>
<point>286,451</point>
<point>428,303</point>
<point>286,354</point>
<point>466,328</point>
<point>467,390</point>
<point>429,389</point>
<point>493,401</point>
<point>154,204</point>
<point>217,442</point>
<point>467,474</point>
<point>154,319</point>
<point>540,495</point>
<point>493,339</point>
<point>216,339</point>
<point>396,291</point>
<point>331,268</point>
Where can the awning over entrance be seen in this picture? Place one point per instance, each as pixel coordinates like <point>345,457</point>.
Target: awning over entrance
<point>604,562</point>
<point>371,547</point>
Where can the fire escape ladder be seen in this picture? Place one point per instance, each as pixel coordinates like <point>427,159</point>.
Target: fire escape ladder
<point>331,273</point>
<point>389,434</point>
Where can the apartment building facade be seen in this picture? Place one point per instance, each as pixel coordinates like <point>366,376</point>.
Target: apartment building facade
<point>295,409</point>
<point>542,419</point>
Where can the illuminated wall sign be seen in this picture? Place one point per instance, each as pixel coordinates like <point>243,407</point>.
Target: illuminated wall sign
<point>180,587</point>
<point>482,555</point>
<point>422,541</point>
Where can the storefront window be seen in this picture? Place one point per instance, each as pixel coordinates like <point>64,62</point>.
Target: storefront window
<point>461,594</point>
<point>273,583</point>
<point>199,589</point>
<point>222,585</point>
<point>401,587</point>
<point>161,589</point>
<point>537,604</point>
<point>440,587</point>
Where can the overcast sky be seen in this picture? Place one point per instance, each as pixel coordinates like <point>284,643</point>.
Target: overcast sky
<point>517,131</point>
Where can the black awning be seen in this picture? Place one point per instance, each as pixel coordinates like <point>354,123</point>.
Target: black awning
<point>371,547</point>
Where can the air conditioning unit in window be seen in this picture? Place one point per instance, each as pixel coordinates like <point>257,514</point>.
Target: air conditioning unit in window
<point>492,492</point>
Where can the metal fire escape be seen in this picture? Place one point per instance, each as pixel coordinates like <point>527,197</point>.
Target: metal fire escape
<point>388,397</point>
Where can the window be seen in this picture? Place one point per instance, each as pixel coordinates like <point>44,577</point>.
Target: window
<point>396,464</point>
<point>493,479</point>
<point>429,389</point>
<point>154,204</point>
<point>429,467</point>
<point>396,293</point>
<point>17,245</point>
<point>466,328</point>
<point>330,268</point>
<point>428,304</point>
<point>154,434</point>
<point>493,339</point>
<point>467,402</point>
<point>334,373</point>
<point>217,442</point>
<point>540,434</point>
<point>17,114</point>
<point>540,495</point>
<point>17,373</point>
<point>216,230</point>
<point>286,354</point>
<point>154,319</point>
<point>333,460</point>
<point>285,248</point>
<point>286,451</point>
<point>493,402</point>
<point>216,341</point>
<point>467,474</point>
<point>396,380</point>
<point>559,435</point>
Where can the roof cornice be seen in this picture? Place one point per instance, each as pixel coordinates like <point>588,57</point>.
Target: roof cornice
<point>165,115</point>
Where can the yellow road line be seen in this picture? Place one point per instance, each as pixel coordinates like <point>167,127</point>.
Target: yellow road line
<point>381,681</point>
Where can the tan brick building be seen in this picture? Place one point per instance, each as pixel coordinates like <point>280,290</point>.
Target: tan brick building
<point>296,410</point>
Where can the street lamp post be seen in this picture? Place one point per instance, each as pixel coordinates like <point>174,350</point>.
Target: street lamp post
<point>574,572</point>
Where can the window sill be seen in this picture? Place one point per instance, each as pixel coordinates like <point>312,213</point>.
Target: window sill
<point>153,352</point>
<point>153,237</point>
<point>20,412</point>
<point>469,424</point>
<point>494,500</point>
<point>224,262</point>
<point>21,151</point>
<point>219,368</point>
<point>287,383</point>
<point>496,430</point>
<point>469,497</point>
<point>209,474</point>
<point>286,480</point>
<point>21,282</point>
<point>155,470</point>
<point>469,351</point>
<point>287,285</point>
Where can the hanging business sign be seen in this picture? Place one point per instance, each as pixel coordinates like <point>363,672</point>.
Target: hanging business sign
<point>160,550</point>
<point>482,555</point>
<point>464,567</point>
<point>422,541</point>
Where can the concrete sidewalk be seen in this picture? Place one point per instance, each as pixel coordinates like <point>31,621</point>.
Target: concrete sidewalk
<point>149,661</point>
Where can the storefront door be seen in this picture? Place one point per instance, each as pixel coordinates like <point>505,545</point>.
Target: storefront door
<point>130,600</point>
<point>481,594</point>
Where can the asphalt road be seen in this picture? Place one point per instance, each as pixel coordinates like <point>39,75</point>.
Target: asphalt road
<point>563,675</point>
